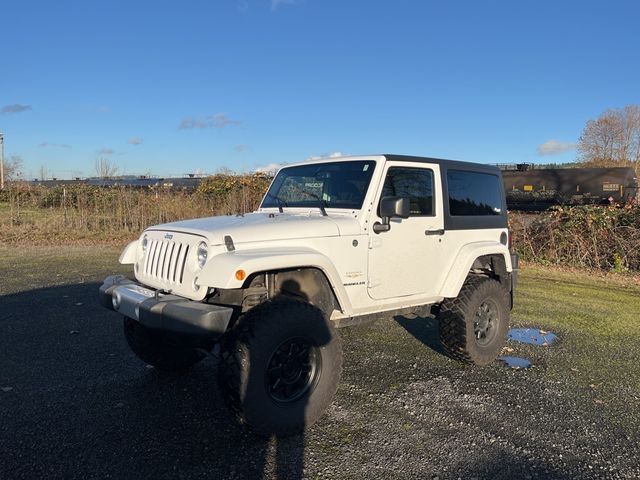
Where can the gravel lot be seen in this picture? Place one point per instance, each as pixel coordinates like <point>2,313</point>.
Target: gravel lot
<point>75,403</point>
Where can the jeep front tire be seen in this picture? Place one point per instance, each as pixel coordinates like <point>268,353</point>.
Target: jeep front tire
<point>474,325</point>
<point>280,367</point>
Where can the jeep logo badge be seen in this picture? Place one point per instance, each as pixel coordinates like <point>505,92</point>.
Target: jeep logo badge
<point>168,236</point>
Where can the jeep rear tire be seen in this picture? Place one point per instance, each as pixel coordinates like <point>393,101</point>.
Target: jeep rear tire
<point>474,325</point>
<point>280,367</point>
<point>152,348</point>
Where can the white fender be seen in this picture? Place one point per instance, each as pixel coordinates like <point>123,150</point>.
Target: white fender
<point>130,253</point>
<point>464,260</point>
<point>220,270</point>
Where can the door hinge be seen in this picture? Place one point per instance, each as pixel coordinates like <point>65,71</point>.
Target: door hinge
<point>375,242</point>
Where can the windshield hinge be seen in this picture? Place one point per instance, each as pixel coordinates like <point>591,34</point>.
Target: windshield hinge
<point>228,242</point>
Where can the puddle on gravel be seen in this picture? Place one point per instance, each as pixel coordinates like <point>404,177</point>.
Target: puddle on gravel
<point>516,363</point>
<point>532,336</point>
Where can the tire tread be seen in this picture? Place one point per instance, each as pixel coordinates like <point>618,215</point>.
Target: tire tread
<point>454,314</point>
<point>234,356</point>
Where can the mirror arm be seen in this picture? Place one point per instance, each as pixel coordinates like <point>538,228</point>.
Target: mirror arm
<point>385,226</point>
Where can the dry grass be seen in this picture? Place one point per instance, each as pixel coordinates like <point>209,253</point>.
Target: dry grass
<point>81,214</point>
<point>590,237</point>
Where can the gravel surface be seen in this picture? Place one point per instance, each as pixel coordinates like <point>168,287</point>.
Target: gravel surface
<point>76,403</point>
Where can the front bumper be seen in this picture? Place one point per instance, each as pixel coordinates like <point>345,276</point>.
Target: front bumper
<point>166,312</point>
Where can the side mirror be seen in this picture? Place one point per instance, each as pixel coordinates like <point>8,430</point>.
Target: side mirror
<point>391,207</point>
<point>394,207</point>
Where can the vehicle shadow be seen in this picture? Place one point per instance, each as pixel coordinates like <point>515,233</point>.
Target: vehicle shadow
<point>76,403</point>
<point>424,329</point>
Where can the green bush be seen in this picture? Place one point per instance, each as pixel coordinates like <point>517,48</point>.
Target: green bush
<point>607,238</point>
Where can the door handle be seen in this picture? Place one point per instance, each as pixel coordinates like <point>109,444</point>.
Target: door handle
<point>434,232</point>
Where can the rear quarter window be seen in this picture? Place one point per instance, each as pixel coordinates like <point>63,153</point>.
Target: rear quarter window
<point>474,193</point>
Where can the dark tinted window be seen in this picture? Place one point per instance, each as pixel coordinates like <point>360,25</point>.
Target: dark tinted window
<point>333,185</point>
<point>473,193</point>
<point>415,183</point>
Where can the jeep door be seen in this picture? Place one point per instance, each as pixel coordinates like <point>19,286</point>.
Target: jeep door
<point>409,259</point>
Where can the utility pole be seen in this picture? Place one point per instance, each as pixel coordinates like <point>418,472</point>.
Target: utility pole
<point>1,161</point>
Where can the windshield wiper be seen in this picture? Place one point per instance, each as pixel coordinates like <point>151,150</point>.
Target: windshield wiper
<point>321,203</point>
<point>281,203</point>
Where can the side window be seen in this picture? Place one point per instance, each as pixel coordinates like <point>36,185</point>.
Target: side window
<point>415,183</point>
<point>474,193</point>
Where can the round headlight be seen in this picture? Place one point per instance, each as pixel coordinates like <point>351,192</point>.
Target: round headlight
<point>145,241</point>
<point>202,254</point>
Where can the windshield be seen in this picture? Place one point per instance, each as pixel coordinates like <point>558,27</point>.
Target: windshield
<point>326,185</point>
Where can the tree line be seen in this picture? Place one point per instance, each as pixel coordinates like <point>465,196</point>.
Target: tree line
<point>612,139</point>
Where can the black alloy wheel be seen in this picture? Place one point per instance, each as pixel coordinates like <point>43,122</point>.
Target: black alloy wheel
<point>293,369</point>
<point>280,366</point>
<point>485,322</point>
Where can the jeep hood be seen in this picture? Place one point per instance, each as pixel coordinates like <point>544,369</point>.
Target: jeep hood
<point>264,227</point>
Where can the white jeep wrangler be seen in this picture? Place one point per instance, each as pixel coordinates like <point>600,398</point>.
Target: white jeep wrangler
<point>335,242</point>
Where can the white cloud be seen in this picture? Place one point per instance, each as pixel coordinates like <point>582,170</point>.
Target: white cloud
<point>554,147</point>
<point>274,167</point>
<point>270,168</point>
<point>135,141</point>
<point>105,151</point>
<point>326,155</point>
<point>276,3</point>
<point>241,148</point>
<point>219,120</point>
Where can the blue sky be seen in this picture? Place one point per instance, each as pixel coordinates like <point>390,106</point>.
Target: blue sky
<point>175,87</point>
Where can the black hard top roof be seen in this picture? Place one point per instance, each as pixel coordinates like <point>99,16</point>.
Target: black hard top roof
<point>447,164</point>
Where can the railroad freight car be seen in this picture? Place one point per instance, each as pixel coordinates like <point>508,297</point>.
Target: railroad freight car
<point>538,189</point>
